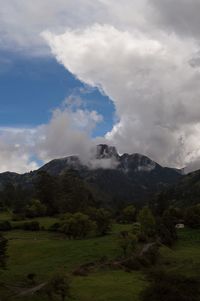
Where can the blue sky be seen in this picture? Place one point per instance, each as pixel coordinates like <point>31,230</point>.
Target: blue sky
<point>30,88</point>
<point>143,58</point>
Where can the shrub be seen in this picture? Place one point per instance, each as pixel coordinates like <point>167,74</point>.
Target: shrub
<point>102,218</point>
<point>55,227</point>
<point>35,208</point>
<point>129,214</point>
<point>5,226</point>
<point>136,229</point>
<point>132,263</point>
<point>77,226</point>
<point>192,217</point>
<point>31,278</point>
<point>165,228</point>
<point>17,217</point>
<point>172,287</point>
<point>31,226</point>
<point>59,285</point>
<point>3,251</point>
<point>127,242</point>
<point>147,222</point>
<point>142,238</point>
<point>28,226</point>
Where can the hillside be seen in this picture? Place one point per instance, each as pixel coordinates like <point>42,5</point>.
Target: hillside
<point>184,193</point>
<point>127,177</point>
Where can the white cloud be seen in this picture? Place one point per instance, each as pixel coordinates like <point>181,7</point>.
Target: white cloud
<point>22,21</point>
<point>154,87</point>
<point>180,17</point>
<point>108,163</point>
<point>15,150</point>
<point>143,54</point>
<point>67,133</point>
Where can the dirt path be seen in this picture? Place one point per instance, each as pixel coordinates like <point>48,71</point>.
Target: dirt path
<point>146,248</point>
<point>32,290</point>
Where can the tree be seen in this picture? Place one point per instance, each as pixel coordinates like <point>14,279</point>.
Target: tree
<point>166,228</point>
<point>46,190</point>
<point>129,214</point>
<point>74,194</point>
<point>136,229</point>
<point>127,242</point>
<point>8,195</point>
<point>35,209</point>
<point>3,251</point>
<point>58,285</point>
<point>77,225</point>
<point>102,218</point>
<point>15,197</point>
<point>192,216</point>
<point>147,222</point>
<point>175,213</point>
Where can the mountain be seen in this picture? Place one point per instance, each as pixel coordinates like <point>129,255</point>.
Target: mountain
<point>116,178</point>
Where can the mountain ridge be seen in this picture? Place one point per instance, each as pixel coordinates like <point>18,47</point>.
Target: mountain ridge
<point>131,177</point>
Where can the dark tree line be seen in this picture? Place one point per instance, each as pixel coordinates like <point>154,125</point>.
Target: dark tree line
<point>65,193</point>
<point>48,195</point>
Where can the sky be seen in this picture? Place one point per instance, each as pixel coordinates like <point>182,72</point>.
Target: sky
<point>75,73</point>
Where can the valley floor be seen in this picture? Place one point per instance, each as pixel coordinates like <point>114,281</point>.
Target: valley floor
<point>44,252</point>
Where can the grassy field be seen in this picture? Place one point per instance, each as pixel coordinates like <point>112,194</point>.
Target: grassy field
<point>184,257</point>
<point>44,252</point>
<point>45,222</point>
<point>103,286</point>
<point>5,216</point>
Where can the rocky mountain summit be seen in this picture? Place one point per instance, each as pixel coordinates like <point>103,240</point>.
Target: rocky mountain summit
<point>131,177</point>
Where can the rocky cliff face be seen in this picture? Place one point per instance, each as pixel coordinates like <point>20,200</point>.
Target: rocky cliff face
<point>103,151</point>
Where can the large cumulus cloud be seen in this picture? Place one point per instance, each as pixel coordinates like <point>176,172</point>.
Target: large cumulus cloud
<point>152,83</point>
<point>22,21</point>
<point>143,54</point>
<point>178,16</point>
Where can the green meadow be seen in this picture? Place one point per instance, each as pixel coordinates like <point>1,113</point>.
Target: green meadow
<point>43,253</point>
<point>184,257</point>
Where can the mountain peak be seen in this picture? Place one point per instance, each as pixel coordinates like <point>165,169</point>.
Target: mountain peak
<point>121,177</point>
<point>104,151</point>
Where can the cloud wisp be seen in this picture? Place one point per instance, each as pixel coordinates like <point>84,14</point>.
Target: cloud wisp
<point>67,133</point>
